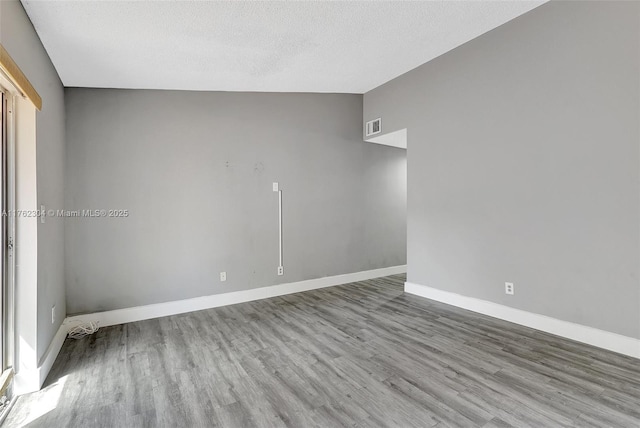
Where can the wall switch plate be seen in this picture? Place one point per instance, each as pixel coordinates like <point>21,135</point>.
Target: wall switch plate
<point>223,276</point>
<point>508,288</point>
<point>276,187</point>
<point>280,270</point>
<point>53,314</point>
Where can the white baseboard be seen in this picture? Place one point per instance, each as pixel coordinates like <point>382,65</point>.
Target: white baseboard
<point>139,313</point>
<point>44,367</point>
<point>580,333</point>
<point>31,380</point>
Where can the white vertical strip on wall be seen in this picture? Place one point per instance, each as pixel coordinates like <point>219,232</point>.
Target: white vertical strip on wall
<point>280,266</point>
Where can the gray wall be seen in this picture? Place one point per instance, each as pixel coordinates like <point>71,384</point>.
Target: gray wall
<point>21,41</point>
<point>195,170</point>
<point>523,159</point>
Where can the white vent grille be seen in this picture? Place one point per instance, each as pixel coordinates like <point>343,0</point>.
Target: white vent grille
<point>373,127</point>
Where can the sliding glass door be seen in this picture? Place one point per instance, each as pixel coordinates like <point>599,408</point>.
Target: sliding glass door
<point>6,251</point>
<point>3,323</point>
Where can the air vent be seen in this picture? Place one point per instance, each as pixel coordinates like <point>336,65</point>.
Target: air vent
<point>373,127</point>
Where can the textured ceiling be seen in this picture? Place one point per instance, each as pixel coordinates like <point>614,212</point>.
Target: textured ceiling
<point>255,46</point>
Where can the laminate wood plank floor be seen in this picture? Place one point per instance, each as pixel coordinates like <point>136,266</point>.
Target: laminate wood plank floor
<point>360,355</point>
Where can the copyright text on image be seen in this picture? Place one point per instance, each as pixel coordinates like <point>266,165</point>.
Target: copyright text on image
<point>90,213</point>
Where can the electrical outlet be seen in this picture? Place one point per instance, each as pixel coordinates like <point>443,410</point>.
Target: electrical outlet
<point>276,187</point>
<point>280,270</point>
<point>223,276</point>
<point>509,288</point>
<point>53,314</point>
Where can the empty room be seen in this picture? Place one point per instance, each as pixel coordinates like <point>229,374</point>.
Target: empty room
<point>319,213</point>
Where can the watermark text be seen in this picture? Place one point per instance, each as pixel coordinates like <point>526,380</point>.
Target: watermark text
<point>88,213</point>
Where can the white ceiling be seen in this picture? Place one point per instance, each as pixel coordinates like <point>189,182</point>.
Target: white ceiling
<point>320,46</point>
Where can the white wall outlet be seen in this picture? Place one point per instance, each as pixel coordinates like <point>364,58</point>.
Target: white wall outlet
<point>508,288</point>
<point>276,187</point>
<point>280,271</point>
<point>223,276</point>
<point>53,314</point>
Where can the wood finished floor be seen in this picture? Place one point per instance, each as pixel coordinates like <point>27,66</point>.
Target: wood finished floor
<point>363,355</point>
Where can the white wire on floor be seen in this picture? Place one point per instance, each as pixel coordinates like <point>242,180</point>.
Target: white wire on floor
<point>81,330</point>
